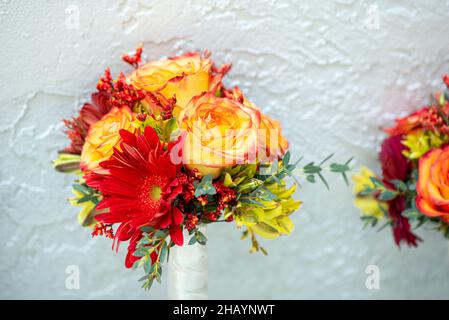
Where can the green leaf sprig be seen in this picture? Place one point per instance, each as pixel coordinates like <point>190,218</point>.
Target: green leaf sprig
<point>152,241</point>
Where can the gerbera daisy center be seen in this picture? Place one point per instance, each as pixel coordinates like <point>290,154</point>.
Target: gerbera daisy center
<point>156,192</point>
<point>151,191</point>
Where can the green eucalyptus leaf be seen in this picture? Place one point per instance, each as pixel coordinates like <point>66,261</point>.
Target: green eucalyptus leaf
<point>192,240</point>
<point>327,158</point>
<point>147,229</point>
<point>336,167</point>
<point>201,238</point>
<point>140,253</point>
<point>163,252</point>
<point>147,264</point>
<point>205,187</point>
<point>399,185</point>
<point>311,178</point>
<point>387,195</point>
<point>286,159</point>
<point>377,182</point>
<point>311,168</point>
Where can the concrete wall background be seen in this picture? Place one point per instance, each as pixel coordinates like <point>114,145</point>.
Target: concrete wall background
<point>331,71</point>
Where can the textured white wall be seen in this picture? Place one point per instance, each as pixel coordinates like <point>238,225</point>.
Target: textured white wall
<point>326,69</point>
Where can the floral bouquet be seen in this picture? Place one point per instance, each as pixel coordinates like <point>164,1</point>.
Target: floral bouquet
<point>414,186</point>
<point>166,148</point>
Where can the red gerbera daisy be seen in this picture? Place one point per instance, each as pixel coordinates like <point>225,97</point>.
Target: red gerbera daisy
<point>138,184</point>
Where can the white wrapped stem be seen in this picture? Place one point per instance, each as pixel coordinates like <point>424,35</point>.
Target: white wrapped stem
<point>187,273</point>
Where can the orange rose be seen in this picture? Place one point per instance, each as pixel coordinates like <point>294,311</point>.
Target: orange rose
<point>103,136</point>
<point>433,184</point>
<point>275,144</point>
<point>222,132</point>
<point>219,132</point>
<point>184,77</point>
<point>270,137</point>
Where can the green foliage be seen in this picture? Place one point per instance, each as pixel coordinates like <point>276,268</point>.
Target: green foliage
<point>197,237</point>
<point>313,171</point>
<point>255,246</point>
<point>264,202</point>
<point>67,163</point>
<point>153,241</point>
<point>89,194</point>
<point>381,191</point>
<point>373,221</point>
<point>87,198</point>
<point>406,189</point>
<point>205,187</point>
<point>369,221</point>
<point>167,130</point>
<point>170,127</point>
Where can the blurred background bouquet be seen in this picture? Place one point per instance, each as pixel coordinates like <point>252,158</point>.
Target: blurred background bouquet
<point>413,189</point>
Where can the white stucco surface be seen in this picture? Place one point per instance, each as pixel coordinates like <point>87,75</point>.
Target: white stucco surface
<point>331,71</point>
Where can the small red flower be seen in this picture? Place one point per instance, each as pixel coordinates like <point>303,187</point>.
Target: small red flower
<point>394,164</point>
<point>401,226</point>
<point>90,113</point>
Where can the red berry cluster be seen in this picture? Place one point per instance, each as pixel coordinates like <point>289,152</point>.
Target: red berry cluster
<point>101,229</point>
<point>436,117</point>
<point>433,121</point>
<point>125,94</point>
<point>167,108</point>
<point>141,117</point>
<point>122,93</point>
<point>105,82</point>
<point>191,221</point>
<point>188,189</point>
<point>226,195</point>
<point>223,198</point>
<point>134,59</point>
<point>212,216</point>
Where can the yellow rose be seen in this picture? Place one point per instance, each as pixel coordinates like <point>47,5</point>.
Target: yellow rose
<point>218,132</point>
<point>103,136</point>
<point>185,76</point>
